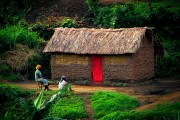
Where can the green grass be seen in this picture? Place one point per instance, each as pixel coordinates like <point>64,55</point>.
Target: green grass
<point>105,102</point>
<point>69,106</point>
<point>166,111</point>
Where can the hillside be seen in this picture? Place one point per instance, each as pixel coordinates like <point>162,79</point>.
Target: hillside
<point>54,11</point>
<point>42,15</point>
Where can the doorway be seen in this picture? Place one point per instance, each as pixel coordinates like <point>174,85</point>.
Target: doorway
<point>97,68</point>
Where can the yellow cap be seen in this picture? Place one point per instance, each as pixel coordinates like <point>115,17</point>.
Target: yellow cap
<point>38,67</point>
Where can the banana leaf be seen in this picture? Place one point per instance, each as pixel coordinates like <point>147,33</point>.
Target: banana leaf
<point>38,101</point>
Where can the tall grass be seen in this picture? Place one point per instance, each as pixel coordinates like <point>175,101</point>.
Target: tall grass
<point>11,35</point>
<point>105,102</point>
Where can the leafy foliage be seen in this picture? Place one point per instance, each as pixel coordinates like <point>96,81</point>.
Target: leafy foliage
<point>5,69</point>
<point>14,10</point>
<point>38,58</point>
<point>38,101</point>
<point>169,65</point>
<point>11,35</point>
<point>105,102</point>
<point>16,103</point>
<point>67,22</point>
<point>92,4</point>
<point>45,31</point>
<point>164,16</point>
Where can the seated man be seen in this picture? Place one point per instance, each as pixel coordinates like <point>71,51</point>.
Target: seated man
<point>62,83</point>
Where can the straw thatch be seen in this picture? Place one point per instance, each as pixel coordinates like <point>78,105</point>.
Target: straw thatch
<point>96,41</point>
<point>17,58</point>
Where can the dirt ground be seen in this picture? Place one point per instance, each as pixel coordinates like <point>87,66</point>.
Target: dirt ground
<point>150,93</point>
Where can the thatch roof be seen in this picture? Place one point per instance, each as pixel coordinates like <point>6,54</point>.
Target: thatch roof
<point>96,41</point>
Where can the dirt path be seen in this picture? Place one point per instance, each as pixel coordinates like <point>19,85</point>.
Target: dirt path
<point>89,110</point>
<point>149,93</point>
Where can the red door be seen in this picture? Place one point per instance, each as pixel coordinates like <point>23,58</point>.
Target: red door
<point>97,68</point>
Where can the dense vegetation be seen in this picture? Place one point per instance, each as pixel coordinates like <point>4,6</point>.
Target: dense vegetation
<point>20,104</point>
<point>11,35</point>
<point>163,16</point>
<point>16,103</point>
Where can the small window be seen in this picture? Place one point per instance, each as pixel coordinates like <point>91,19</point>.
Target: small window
<point>115,60</point>
<point>67,59</point>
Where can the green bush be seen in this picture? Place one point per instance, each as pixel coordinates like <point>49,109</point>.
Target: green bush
<point>168,66</point>
<point>14,10</point>
<point>67,22</point>
<point>104,102</point>
<point>5,69</point>
<point>38,58</point>
<point>45,31</point>
<point>11,77</point>
<point>7,74</point>
<point>92,5</point>
<point>11,35</point>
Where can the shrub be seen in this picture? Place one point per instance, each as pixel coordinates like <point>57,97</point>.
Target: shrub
<point>7,73</point>
<point>5,69</point>
<point>92,5</point>
<point>67,22</point>
<point>44,30</point>
<point>168,66</point>
<point>38,58</point>
<point>11,35</point>
<point>14,10</point>
<point>11,77</point>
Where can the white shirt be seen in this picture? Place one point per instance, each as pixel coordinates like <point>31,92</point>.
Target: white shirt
<point>61,84</point>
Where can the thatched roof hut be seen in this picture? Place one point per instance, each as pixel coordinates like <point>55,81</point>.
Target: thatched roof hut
<point>96,41</point>
<point>133,46</point>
